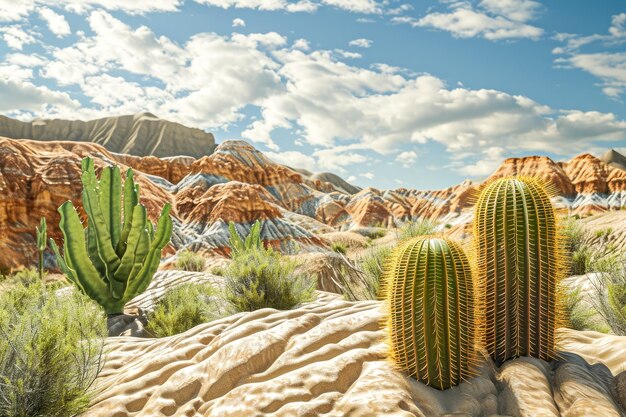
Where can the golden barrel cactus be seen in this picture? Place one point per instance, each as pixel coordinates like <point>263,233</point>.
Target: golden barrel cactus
<point>430,321</point>
<point>520,262</point>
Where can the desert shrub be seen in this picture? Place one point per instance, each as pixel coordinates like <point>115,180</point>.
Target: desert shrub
<point>264,278</point>
<point>182,308</point>
<point>190,261</point>
<point>25,277</point>
<point>50,351</point>
<point>580,316</point>
<point>604,233</point>
<point>260,277</point>
<point>575,240</point>
<point>610,291</point>
<point>417,228</point>
<point>218,270</point>
<point>361,281</point>
<point>339,247</point>
<point>377,233</point>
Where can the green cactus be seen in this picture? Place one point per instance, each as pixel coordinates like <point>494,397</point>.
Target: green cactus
<point>111,260</point>
<point>252,241</point>
<point>520,262</point>
<point>431,326</point>
<point>42,241</point>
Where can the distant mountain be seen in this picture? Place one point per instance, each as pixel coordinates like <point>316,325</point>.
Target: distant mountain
<point>140,134</point>
<point>238,183</point>
<point>614,159</point>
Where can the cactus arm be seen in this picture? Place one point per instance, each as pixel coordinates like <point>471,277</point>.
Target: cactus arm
<point>137,246</point>
<point>105,250</point>
<point>235,241</point>
<point>141,280</point>
<point>76,259</point>
<point>131,199</point>
<point>110,191</point>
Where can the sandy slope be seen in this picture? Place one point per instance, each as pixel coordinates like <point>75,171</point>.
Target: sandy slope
<point>327,359</point>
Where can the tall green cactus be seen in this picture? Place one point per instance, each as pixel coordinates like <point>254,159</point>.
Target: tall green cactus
<point>42,241</point>
<point>111,260</point>
<point>431,325</point>
<point>520,263</point>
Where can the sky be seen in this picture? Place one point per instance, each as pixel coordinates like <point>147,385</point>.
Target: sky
<point>385,93</point>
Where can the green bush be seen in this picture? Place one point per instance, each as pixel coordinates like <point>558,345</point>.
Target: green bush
<point>258,279</point>
<point>25,277</point>
<point>339,248</point>
<point>609,298</point>
<point>50,351</point>
<point>604,233</point>
<point>576,238</point>
<point>417,228</point>
<point>579,315</point>
<point>190,261</point>
<point>378,233</point>
<point>181,309</point>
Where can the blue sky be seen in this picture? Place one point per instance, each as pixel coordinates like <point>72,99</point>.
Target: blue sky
<point>385,93</point>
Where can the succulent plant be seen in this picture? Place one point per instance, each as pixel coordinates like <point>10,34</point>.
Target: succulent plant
<point>520,262</point>
<point>431,326</point>
<point>113,259</point>
<point>253,241</point>
<point>42,242</point>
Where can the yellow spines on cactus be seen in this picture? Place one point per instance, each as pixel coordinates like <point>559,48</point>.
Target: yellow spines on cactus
<point>520,263</point>
<point>430,317</point>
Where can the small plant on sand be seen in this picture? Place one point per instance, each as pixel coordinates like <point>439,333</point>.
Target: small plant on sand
<point>416,228</point>
<point>377,233</point>
<point>25,277</point>
<point>260,277</point>
<point>580,316</point>
<point>339,248</point>
<point>190,261</point>
<point>182,308</point>
<point>575,240</point>
<point>362,281</point>
<point>114,258</point>
<point>609,297</point>
<point>42,243</point>
<point>51,349</point>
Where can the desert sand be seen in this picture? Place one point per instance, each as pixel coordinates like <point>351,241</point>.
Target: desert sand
<point>328,358</point>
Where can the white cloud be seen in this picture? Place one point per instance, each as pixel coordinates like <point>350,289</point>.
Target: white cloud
<point>490,160</point>
<point>309,6</point>
<point>407,158</point>
<point>361,43</point>
<point>608,66</point>
<point>368,175</point>
<point>347,54</point>
<point>293,159</point>
<point>239,23</point>
<point>16,96</point>
<point>16,37</point>
<point>344,112</point>
<point>301,44</point>
<point>495,20</point>
<point>206,81</point>
<point>56,22</point>
<point>517,10</point>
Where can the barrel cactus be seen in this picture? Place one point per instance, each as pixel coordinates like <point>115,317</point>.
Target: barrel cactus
<point>520,262</point>
<point>428,292</point>
<point>113,259</point>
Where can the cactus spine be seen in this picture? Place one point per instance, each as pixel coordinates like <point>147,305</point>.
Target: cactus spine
<point>42,241</point>
<point>430,319</point>
<point>519,265</point>
<point>111,260</point>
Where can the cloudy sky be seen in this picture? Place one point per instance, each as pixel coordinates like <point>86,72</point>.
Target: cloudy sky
<point>386,93</point>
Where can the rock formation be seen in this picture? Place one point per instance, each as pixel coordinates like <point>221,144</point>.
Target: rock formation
<point>238,183</point>
<point>140,134</point>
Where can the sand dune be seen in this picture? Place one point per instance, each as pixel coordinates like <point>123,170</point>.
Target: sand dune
<point>327,358</point>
